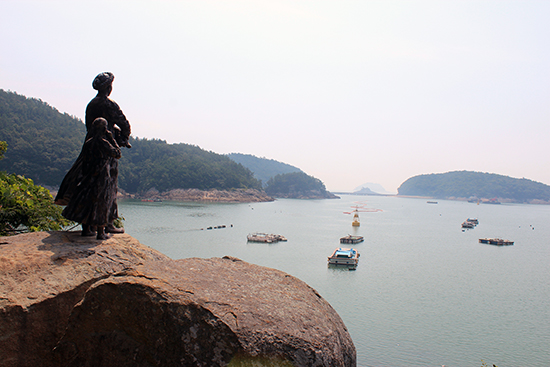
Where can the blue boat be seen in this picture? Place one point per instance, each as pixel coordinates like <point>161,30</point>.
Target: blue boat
<point>344,256</point>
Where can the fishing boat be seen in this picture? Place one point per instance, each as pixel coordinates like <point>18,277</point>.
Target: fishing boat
<point>344,256</point>
<point>351,239</point>
<point>470,223</point>
<point>265,237</point>
<point>496,241</point>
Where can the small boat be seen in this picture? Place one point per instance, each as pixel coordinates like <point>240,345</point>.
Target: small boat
<point>496,241</point>
<point>473,220</point>
<point>344,256</point>
<point>470,223</point>
<point>431,202</point>
<point>265,237</point>
<point>351,239</point>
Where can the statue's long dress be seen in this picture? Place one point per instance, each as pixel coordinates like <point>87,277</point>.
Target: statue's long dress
<point>100,106</point>
<point>94,189</point>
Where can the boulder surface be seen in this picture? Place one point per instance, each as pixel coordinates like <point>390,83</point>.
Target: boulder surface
<point>68,300</point>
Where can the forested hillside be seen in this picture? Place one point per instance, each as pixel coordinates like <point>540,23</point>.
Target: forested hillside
<point>156,164</point>
<point>297,185</point>
<point>43,144</point>
<point>263,168</point>
<point>468,184</point>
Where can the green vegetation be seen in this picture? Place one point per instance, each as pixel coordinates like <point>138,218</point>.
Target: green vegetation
<point>296,185</point>
<point>44,144</point>
<point>263,168</point>
<point>26,207</point>
<point>467,184</point>
<point>156,164</point>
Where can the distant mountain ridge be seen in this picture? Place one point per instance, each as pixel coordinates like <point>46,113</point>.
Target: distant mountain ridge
<point>366,191</point>
<point>478,185</point>
<point>263,168</point>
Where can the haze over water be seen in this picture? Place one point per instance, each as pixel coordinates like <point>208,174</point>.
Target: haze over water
<point>425,293</point>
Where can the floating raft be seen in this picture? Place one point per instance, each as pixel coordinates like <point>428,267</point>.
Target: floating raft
<point>351,239</point>
<point>496,241</point>
<point>470,223</point>
<point>344,256</point>
<point>265,237</point>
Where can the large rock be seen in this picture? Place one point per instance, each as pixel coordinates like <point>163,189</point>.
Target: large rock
<point>67,300</point>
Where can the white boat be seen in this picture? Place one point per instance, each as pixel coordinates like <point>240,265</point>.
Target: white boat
<point>344,256</point>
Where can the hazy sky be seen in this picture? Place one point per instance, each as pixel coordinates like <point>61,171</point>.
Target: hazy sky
<point>348,91</point>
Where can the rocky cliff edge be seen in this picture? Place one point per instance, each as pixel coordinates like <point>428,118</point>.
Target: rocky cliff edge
<point>67,300</point>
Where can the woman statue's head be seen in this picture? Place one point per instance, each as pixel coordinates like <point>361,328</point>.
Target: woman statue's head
<point>103,82</point>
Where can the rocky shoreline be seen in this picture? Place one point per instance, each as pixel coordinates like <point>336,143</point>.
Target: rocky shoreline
<point>223,196</point>
<point>214,195</point>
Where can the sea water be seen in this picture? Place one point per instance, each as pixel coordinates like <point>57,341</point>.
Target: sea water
<point>425,292</point>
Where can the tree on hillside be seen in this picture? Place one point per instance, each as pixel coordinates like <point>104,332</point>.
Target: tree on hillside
<point>24,206</point>
<point>296,185</point>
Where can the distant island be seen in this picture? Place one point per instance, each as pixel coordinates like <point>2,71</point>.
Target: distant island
<point>366,191</point>
<point>376,188</point>
<point>476,186</point>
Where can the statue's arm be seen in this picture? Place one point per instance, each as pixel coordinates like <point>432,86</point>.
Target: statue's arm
<point>110,146</point>
<point>117,117</point>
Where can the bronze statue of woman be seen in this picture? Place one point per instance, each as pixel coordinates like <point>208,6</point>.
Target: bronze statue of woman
<point>101,106</point>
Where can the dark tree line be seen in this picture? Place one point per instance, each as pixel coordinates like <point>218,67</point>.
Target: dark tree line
<point>468,184</point>
<point>44,143</point>
<point>156,164</point>
<point>295,184</point>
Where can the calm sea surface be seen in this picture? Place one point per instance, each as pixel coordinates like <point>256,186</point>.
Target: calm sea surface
<point>425,293</point>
